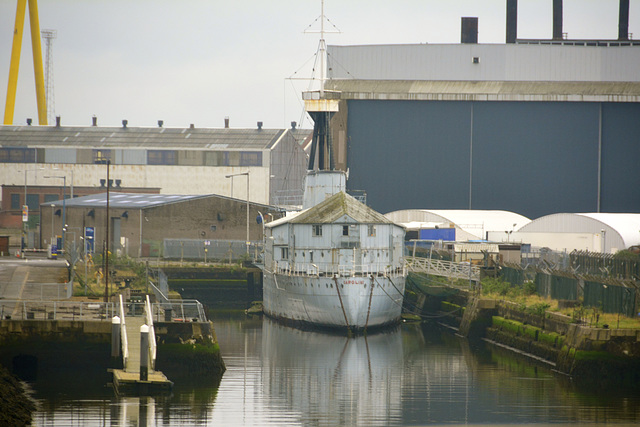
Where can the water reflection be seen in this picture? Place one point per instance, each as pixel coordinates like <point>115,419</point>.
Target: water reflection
<point>339,380</point>
<point>412,375</point>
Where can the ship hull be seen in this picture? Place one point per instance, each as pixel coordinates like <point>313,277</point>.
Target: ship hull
<point>354,303</point>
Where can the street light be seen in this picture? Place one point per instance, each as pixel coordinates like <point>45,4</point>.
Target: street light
<point>64,206</point>
<point>240,174</point>
<point>52,206</point>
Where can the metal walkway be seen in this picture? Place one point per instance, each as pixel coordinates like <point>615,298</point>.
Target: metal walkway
<point>437,267</point>
<point>133,378</point>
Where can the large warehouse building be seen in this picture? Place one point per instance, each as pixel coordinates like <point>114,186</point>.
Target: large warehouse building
<point>531,126</point>
<point>190,160</point>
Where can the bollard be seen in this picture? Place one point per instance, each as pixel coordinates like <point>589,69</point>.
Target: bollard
<point>115,342</point>
<point>144,353</point>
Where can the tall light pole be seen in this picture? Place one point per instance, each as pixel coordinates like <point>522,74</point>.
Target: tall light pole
<point>64,206</point>
<point>240,174</point>
<point>52,215</point>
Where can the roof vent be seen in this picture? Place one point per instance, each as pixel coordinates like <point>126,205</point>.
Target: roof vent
<point>293,125</point>
<point>29,121</point>
<point>94,121</point>
<point>259,125</point>
<point>160,123</point>
<point>57,121</point>
<point>192,126</point>
<point>124,123</point>
<point>226,122</point>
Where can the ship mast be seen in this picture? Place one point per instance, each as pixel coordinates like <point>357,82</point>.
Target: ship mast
<point>321,106</point>
<point>322,48</point>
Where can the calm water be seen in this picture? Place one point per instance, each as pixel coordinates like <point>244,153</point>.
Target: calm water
<point>412,375</point>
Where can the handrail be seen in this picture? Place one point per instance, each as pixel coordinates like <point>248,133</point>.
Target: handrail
<point>444,268</point>
<point>183,309</point>
<point>158,292</point>
<point>123,335</point>
<point>152,334</point>
<point>56,310</point>
<point>344,270</point>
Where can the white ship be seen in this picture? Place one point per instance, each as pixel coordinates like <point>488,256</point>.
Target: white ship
<point>338,264</point>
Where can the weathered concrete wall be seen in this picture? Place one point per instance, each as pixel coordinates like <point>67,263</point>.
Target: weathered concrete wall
<point>55,330</point>
<point>599,357</point>
<point>184,348</point>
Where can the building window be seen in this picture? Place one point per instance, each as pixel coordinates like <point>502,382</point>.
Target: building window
<point>310,256</point>
<point>316,230</point>
<point>15,202</point>
<point>251,158</point>
<point>101,157</point>
<point>371,230</point>
<point>345,230</point>
<point>161,157</point>
<point>33,201</point>
<point>51,198</point>
<point>284,252</point>
<point>17,155</point>
<point>214,158</point>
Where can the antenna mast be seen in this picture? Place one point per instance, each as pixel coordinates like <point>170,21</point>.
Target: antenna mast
<point>322,49</point>
<point>49,36</point>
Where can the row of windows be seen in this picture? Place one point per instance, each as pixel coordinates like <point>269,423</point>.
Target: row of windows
<point>191,158</point>
<point>134,157</point>
<point>33,201</point>
<point>316,230</point>
<point>17,155</point>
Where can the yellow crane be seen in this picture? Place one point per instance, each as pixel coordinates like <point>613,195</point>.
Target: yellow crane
<point>15,61</point>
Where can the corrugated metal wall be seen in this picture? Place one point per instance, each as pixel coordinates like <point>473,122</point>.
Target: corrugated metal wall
<point>511,62</point>
<point>532,158</point>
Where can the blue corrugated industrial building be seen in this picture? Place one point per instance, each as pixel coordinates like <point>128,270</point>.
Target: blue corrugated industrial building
<point>530,126</point>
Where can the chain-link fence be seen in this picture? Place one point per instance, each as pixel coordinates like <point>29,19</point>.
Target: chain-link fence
<point>610,295</point>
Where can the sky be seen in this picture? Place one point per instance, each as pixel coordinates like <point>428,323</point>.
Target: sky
<point>199,61</point>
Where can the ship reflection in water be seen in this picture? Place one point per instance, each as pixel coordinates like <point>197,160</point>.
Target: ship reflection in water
<point>340,380</point>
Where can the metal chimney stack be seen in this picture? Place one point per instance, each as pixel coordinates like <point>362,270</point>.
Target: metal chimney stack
<point>512,21</point>
<point>557,19</point>
<point>623,20</point>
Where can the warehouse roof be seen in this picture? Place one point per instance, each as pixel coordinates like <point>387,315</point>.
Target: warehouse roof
<point>129,137</point>
<point>474,222</point>
<point>443,90</point>
<point>620,228</point>
<point>132,200</point>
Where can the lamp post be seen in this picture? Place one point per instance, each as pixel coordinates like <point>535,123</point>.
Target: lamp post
<point>240,174</point>
<point>52,214</point>
<point>64,206</point>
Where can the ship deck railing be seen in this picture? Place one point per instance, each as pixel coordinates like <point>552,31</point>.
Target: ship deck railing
<point>339,270</point>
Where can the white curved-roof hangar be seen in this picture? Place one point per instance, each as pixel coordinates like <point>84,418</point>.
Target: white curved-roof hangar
<point>472,224</point>
<point>622,230</point>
